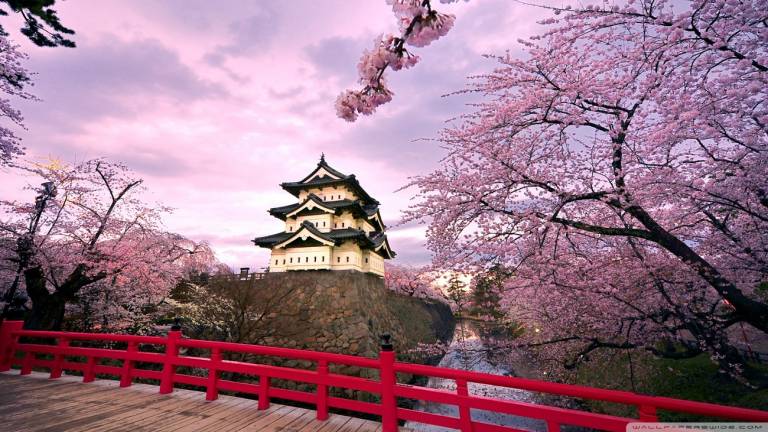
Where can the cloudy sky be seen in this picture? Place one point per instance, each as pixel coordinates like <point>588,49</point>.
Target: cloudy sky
<point>214,103</point>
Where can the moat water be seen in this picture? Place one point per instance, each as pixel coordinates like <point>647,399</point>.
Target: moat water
<point>467,352</point>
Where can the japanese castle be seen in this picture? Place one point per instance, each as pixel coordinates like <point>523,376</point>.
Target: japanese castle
<point>335,225</point>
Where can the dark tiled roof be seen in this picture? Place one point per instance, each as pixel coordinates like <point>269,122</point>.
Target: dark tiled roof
<point>370,209</point>
<point>281,212</point>
<point>276,211</point>
<point>272,239</point>
<point>380,239</point>
<point>349,180</point>
<point>337,236</point>
<point>346,233</point>
<point>324,165</point>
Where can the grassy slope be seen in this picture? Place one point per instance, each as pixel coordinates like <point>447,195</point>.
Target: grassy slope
<point>693,379</point>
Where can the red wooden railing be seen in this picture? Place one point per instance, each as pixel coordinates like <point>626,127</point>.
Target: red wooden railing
<point>387,386</point>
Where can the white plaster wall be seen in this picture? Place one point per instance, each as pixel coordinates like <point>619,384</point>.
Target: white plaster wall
<point>307,258</point>
<point>373,263</point>
<point>334,193</point>
<point>347,256</point>
<point>346,220</point>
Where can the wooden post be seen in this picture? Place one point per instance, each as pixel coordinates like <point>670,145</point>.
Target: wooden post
<point>465,415</point>
<point>169,365</point>
<point>8,343</point>
<point>212,391</point>
<point>125,378</point>
<point>58,359</point>
<point>322,390</point>
<point>388,380</point>
<point>263,392</point>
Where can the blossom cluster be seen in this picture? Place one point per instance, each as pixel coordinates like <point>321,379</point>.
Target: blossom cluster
<point>419,26</point>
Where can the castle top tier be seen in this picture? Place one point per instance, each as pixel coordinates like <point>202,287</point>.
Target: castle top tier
<point>335,225</point>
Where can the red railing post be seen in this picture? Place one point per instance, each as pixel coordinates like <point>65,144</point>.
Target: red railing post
<point>212,391</point>
<point>90,369</point>
<point>322,390</point>
<point>8,343</point>
<point>169,365</point>
<point>58,359</point>
<point>647,413</point>
<point>388,380</point>
<point>26,364</point>
<point>263,392</point>
<point>465,415</point>
<point>553,426</point>
<point>125,377</point>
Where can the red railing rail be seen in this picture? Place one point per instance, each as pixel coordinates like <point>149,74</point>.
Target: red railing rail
<point>386,386</point>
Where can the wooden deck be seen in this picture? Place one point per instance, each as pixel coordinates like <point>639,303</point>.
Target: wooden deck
<point>36,403</point>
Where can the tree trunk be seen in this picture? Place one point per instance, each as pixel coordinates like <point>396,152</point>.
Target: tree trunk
<point>47,313</point>
<point>47,308</point>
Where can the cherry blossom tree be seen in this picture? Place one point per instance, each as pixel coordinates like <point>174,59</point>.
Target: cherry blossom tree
<point>13,81</point>
<point>95,238</point>
<point>412,281</point>
<point>620,168</point>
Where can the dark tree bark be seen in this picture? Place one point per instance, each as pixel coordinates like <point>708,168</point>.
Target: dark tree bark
<point>48,307</point>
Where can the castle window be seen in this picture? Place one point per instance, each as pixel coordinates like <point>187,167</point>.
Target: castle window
<point>366,260</point>
<point>291,260</point>
<point>342,224</point>
<point>306,259</point>
<point>322,258</point>
<point>323,224</point>
<point>338,259</point>
<point>283,261</point>
<point>347,259</point>
<point>315,259</point>
<point>335,224</point>
<point>275,262</point>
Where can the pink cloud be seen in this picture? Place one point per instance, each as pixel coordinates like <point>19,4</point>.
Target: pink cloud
<point>215,111</point>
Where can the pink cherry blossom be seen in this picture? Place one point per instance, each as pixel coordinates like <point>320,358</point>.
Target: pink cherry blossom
<point>419,26</point>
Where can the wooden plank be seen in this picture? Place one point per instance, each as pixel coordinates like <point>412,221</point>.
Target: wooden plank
<point>147,406</point>
<point>352,425</point>
<point>299,424</point>
<point>166,416</point>
<point>334,423</point>
<point>370,426</point>
<point>219,410</point>
<point>239,417</point>
<point>282,423</point>
<point>45,409</point>
<point>35,403</point>
<point>259,420</point>
<point>91,409</point>
<point>95,407</point>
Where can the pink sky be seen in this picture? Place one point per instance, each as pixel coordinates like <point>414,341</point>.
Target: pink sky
<point>214,103</point>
